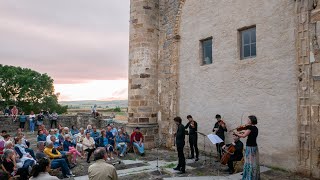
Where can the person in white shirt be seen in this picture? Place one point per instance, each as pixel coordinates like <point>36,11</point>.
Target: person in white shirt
<point>88,145</point>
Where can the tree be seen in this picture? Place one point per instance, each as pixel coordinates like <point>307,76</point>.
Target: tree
<point>28,89</point>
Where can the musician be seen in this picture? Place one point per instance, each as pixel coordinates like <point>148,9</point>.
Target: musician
<point>237,155</point>
<point>251,169</point>
<point>193,137</point>
<point>180,135</point>
<point>219,127</point>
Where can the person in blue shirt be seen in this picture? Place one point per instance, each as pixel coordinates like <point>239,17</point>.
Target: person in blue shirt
<point>121,142</point>
<point>74,130</point>
<point>114,130</point>
<point>67,143</point>
<point>104,142</point>
<point>41,136</point>
<point>95,135</point>
<point>22,120</point>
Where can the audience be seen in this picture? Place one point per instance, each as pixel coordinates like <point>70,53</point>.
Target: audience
<point>104,142</point>
<point>100,169</point>
<point>63,147</point>
<point>137,139</point>
<point>121,143</point>
<point>55,163</point>
<point>74,130</point>
<point>88,145</point>
<point>41,136</point>
<point>41,169</point>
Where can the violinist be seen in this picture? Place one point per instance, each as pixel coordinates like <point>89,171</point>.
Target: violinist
<point>237,155</point>
<point>219,127</point>
<point>193,137</point>
<point>251,169</point>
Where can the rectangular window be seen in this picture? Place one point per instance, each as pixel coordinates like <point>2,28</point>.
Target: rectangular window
<point>248,43</point>
<point>206,45</point>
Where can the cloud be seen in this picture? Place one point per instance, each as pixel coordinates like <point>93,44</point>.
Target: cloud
<point>73,41</point>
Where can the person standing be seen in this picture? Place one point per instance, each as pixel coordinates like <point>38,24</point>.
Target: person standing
<point>219,127</point>
<point>32,119</point>
<point>22,119</point>
<point>100,170</point>
<point>180,136</point>
<point>54,119</point>
<point>14,113</point>
<point>251,169</point>
<point>40,119</point>
<point>193,137</point>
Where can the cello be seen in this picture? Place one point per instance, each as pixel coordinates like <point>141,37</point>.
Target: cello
<point>226,156</point>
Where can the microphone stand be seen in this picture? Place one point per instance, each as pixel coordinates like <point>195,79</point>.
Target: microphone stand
<point>204,146</point>
<point>159,142</point>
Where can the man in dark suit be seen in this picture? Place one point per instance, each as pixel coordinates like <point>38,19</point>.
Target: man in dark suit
<point>180,135</point>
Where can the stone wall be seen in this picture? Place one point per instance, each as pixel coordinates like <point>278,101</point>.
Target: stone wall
<point>143,58</point>
<point>264,85</point>
<point>168,67</point>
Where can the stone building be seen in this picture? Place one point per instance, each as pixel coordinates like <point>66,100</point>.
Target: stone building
<point>233,58</point>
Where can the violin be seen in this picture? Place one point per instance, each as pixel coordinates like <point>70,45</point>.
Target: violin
<point>241,128</point>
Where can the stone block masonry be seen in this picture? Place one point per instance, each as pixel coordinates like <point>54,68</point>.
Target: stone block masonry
<point>143,56</point>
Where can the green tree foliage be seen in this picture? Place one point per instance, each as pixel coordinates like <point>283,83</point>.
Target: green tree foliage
<point>117,109</point>
<point>27,89</point>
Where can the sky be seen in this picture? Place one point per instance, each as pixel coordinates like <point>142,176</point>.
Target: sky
<point>83,45</point>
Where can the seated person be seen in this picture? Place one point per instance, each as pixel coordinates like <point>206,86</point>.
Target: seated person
<point>67,143</point>
<point>137,139</point>
<point>51,133</point>
<point>3,132</point>
<point>1,146</point>
<point>125,133</point>
<point>55,163</point>
<point>104,142</point>
<point>25,158</point>
<point>54,153</point>
<point>44,130</point>
<point>41,136</point>
<point>88,145</point>
<point>41,169</point>
<point>56,143</point>
<point>79,138</point>
<point>237,155</point>
<point>121,142</point>
<point>114,130</point>
<point>95,135</point>
<point>89,129</point>
<point>9,165</point>
<point>74,130</point>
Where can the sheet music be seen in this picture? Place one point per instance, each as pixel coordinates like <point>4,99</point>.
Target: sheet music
<point>214,138</point>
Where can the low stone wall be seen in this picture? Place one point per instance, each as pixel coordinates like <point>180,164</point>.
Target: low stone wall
<point>79,120</point>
